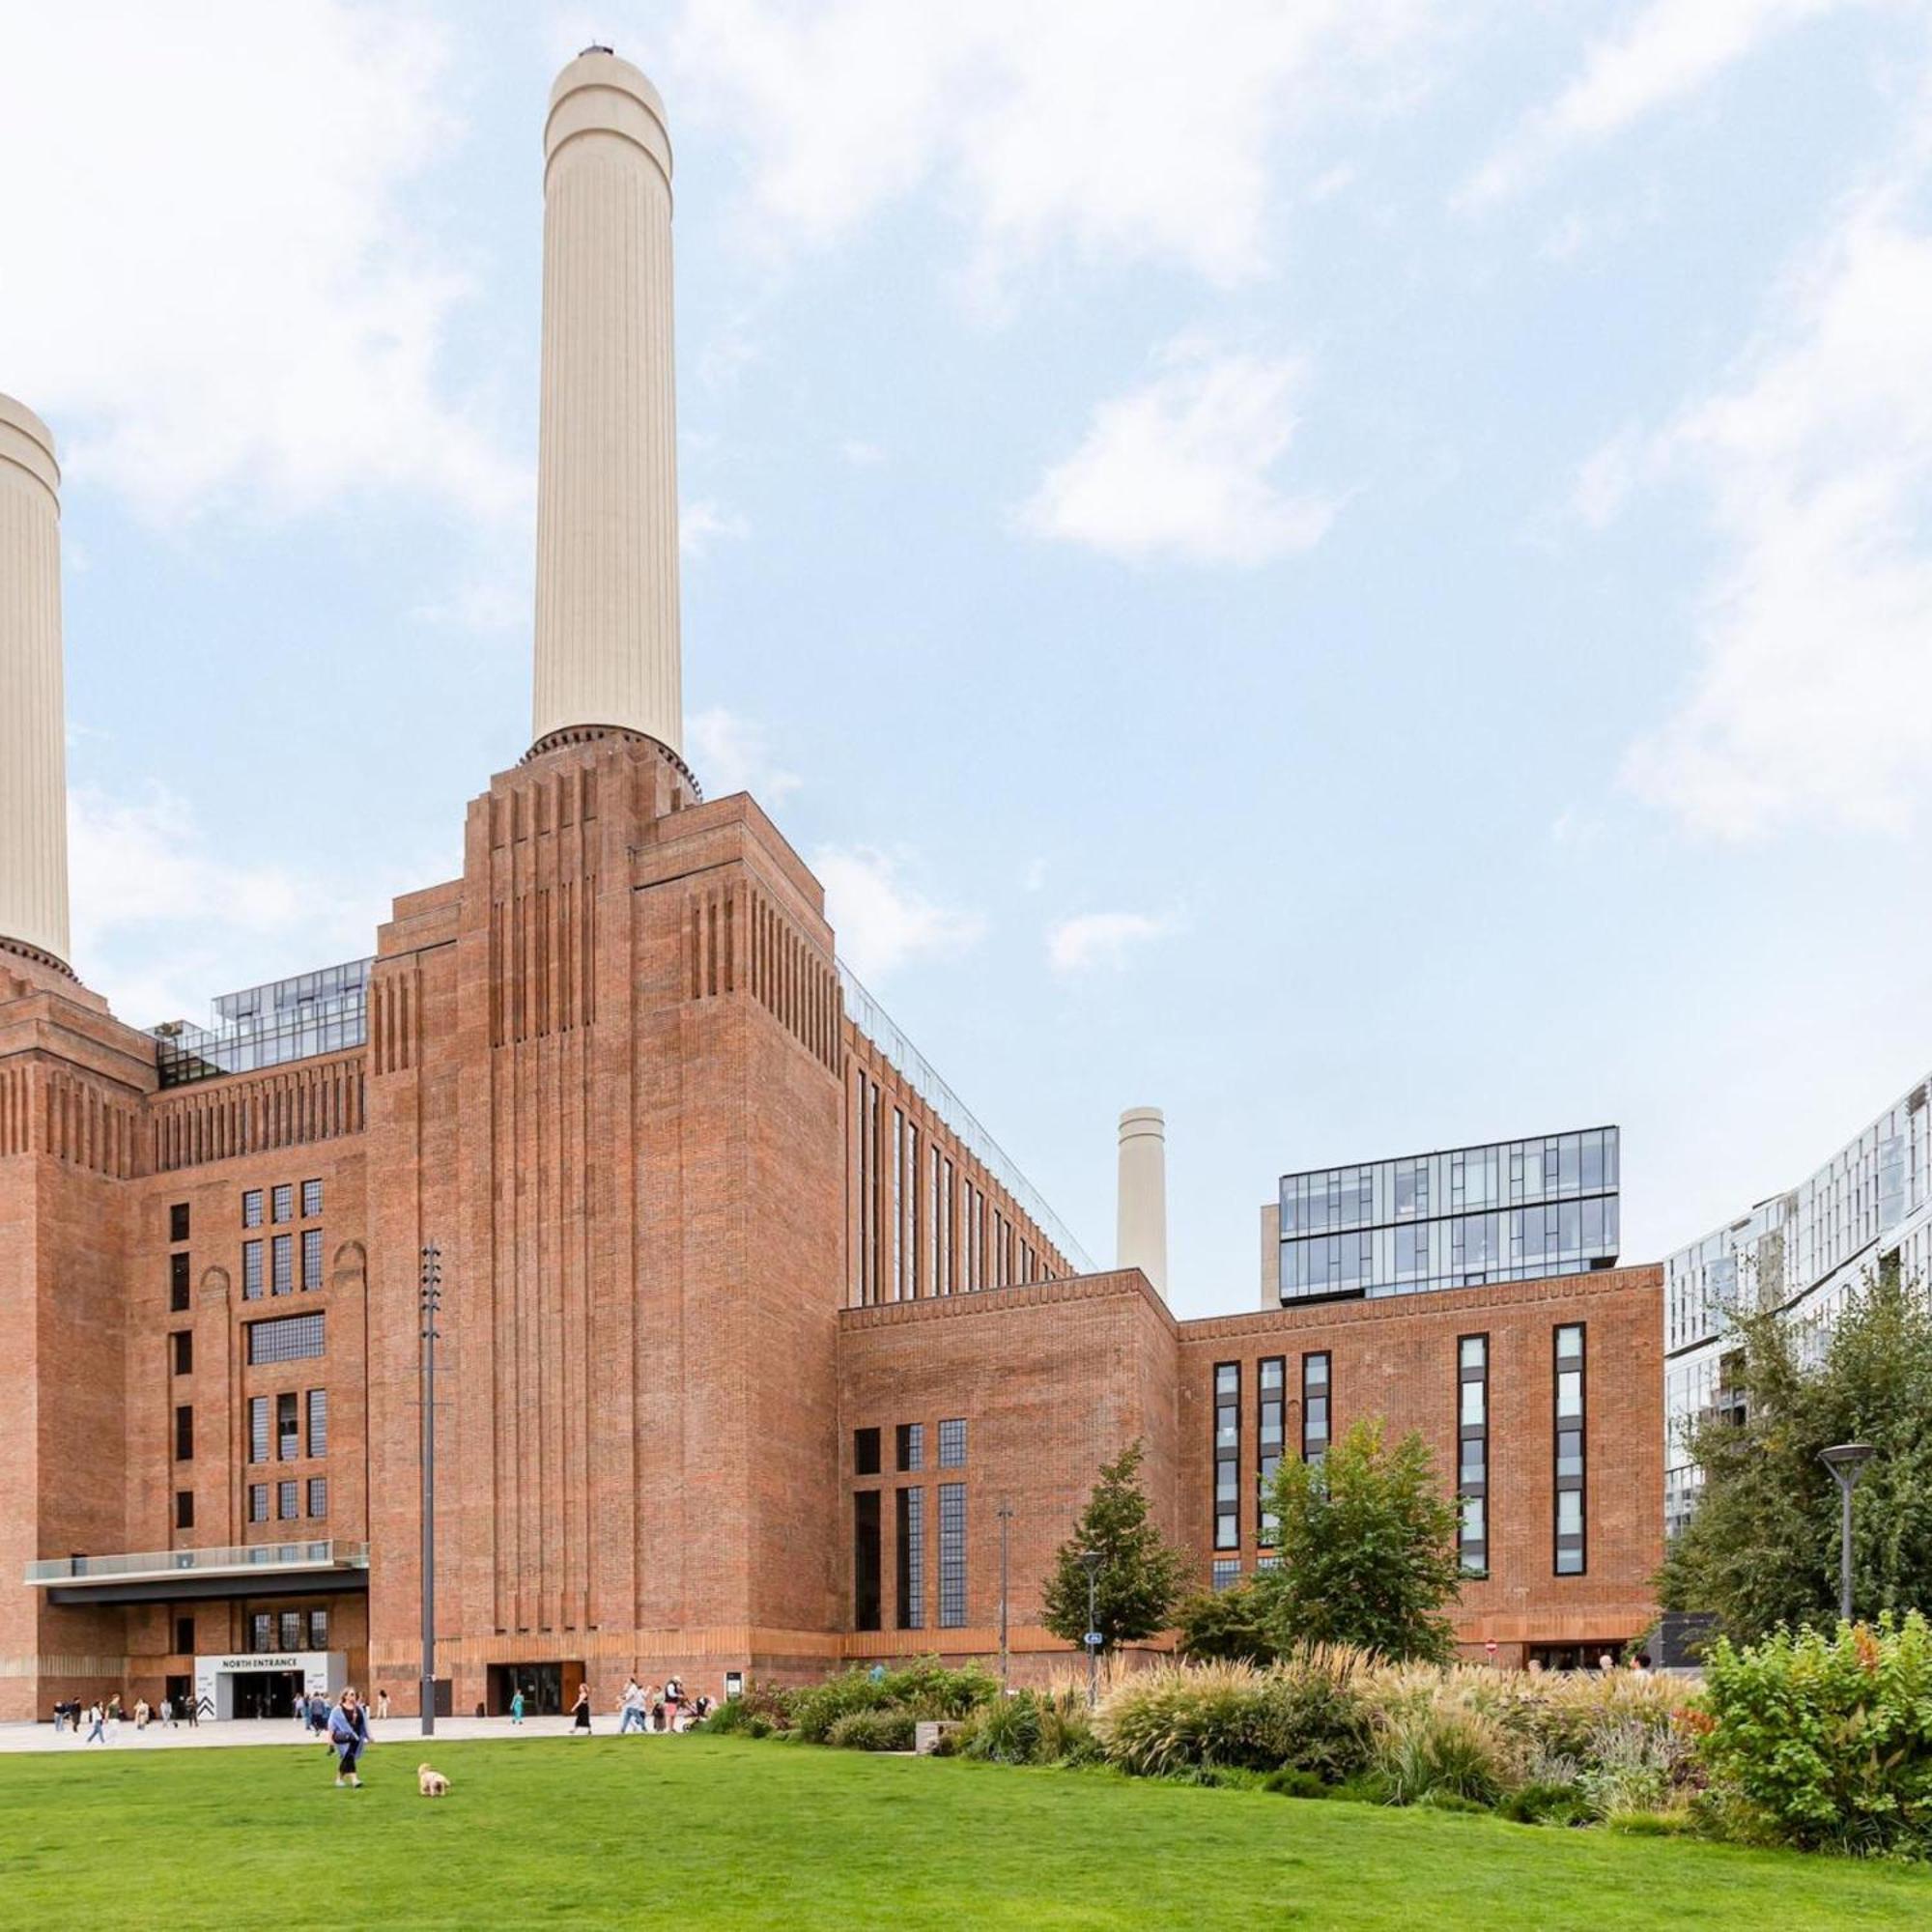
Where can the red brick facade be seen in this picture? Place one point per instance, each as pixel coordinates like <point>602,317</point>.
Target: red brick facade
<point>696,1229</point>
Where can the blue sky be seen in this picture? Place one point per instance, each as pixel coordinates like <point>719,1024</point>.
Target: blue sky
<point>1358,572</point>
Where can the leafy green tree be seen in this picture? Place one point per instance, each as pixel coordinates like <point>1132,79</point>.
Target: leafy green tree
<point>1761,1548</point>
<point>1142,1575</point>
<point>1224,1627</point>
<point>1367,1542</point>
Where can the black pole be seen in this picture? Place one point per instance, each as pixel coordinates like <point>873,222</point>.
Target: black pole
<point>432,1300</point>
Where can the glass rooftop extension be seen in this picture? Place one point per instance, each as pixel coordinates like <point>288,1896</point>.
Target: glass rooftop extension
<point>878,1025</point>
<point>297,1018</point>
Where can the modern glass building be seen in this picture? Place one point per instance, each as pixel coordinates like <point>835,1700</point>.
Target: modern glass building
<point>1509,1211</point>
<point>1868,1208</point>
<point>324,1011</point>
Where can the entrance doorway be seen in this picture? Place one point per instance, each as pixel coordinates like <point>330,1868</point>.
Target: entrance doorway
<point>267,1693</point>
<point>548,1688</point>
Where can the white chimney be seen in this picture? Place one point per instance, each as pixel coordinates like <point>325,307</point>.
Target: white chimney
<point>607,620</point>
<point>1143,1195</point>
<point>33,749</point>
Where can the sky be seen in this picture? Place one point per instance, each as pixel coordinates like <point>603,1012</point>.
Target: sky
<point>1359,571</point>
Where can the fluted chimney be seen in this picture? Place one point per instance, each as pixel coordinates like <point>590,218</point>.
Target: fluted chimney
<point>1143,1195</point>
<point>33,750</point>
<point>606,618</point>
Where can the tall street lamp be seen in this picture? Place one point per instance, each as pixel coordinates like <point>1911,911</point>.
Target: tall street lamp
<point>1092,1560</point>
<point>1845,1460</point>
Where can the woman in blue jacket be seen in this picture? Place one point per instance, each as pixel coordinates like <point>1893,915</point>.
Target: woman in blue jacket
<point>349,1733</point>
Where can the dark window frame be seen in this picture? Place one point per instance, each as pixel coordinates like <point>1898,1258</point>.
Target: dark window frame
<point>183,1509</point>
<point>865,1560</point>
<point>1313,1446</point>
<point>1225,1456</point>
<point>866,1446</point>
<point>181,1351</point>
<point>1580,1483</point>
<point>1267,1528</point>
<point>180,1283</point>
<point>909,1553</point>
<point>184,1431</point>
<point>1473,1553</point>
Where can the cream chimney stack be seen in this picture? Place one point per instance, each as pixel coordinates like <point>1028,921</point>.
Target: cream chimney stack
<point>1143,1195</point>
<point>33,750</point>
<point>607,621</point>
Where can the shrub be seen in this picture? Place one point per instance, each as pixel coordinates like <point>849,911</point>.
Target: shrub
<point>1303,1714</point>
<point>1010,1731</point>
<point>813,1712</point>
<point>756,1704</point>
<point>1224,1627</point>
<point>1650,1824</point>
<point>927,1688</point>
<point>1825,1738</point>
<point>872,1731</point>
<point>1289,1783</point>
<point>1446,1750</point>
<point>1545,1802</point>
<point>1632,1767</point>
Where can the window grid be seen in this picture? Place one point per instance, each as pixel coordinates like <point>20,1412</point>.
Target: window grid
<point>282,1203</point>
<point>288,1499</point>
<point>1227,1573</point>
<point>179,1283</point>
<point>1571,1548</point>
<point>1271,1418</point>
<point>311,1199</point>
<point>911,1446</point>
<point>282,1264</point>
<point>1472,1465</point>
<point>951,1555</point>
<point>1226,1455</point>
<point>952,1443</point>
<point>912,1559</point>
<point>311,1257</point>
<point>318,1500</point>
<point>251,1270</point>
<point>1317,1394</point>
<point>318,1422</point>
<point>258,1503</point>
<point>258,1428</point>
<point>288,1426</point>
<point>252,1206</point>
<point>318,1630</point>
<point>285,1338</point>
<point>292,1629</point>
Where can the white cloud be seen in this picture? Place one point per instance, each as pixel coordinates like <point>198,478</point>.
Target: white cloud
<point>162,921</point>
<point>703,525</point>
<point>1131,129</point>
<point>1812,697</point>
<point>221,291</point>
<point>1668,51</point>
<point>881,922</point>
<point>1100,939</point>
<point>732,753</point>
<point>1185,465</point>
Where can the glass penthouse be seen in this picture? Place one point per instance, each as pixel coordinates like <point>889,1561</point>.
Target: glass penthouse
<point>1510,1210</point>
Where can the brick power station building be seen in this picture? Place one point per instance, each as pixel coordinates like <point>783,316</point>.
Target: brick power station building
<point>749,1333</point>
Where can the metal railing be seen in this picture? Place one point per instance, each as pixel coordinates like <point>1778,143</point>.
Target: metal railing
<point>304,1554</point>
<point>878,1025</point>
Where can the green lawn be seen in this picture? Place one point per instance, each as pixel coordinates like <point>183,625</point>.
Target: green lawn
<point>723,1832</point>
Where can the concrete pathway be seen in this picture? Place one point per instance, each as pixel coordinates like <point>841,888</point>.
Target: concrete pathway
<point>207,1736</point>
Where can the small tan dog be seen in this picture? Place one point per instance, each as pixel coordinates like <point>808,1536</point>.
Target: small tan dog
<point>431,1782</point>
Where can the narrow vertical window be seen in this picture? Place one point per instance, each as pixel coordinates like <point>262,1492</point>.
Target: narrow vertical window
<point>318,1422</point>
<point>912,1559</point>
<point>951,1555</point>
<point>283,1261</point>
<point>865,1560</point>
<point>952,1443</point>
<point>1316,1395</point>
<point>318,1498</point>
<point>179,1284</point>
<point>1271,1377</point>
<point>1571,1547</point>
<point>896,1211</point>
<point>910,1444</point>
<point>251,1270</point>
<point>252,1206</point>
<point>183,1509</point>
<point>952,1276</point>
<point>185,1433</point>
<point>1227,1573</point>
<point>1472,1465</point>
<point>282,1203</point>
<point>915,1258</point>
<point>311,1257</point>
<point>178,1221</point>
<point>182,1342</point>
<point>287,1500</point>
<point>258,1503</point>
<point>311,1199</point>
<point>865,1452</point>
<point>874,1290</point>
<point>258,1428</point>
<point>288,1427</point>
<point>1226,1455</point>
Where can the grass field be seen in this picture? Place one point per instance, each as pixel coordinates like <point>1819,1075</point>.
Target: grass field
<point>720,1831</point>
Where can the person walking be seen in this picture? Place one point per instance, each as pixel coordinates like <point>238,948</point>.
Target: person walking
<point>349,1733</point>
<point>167,1713</point>
<point>382,1702</point>
<point>97,1718</point>
<point>580,1712</point>
<point>673,1698</point>
<point>141,1713</point>
<point>631,1711</point>
<point>517,1705</point>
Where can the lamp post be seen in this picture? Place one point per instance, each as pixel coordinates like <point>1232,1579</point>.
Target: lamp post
<point>1092,1560</point>
<point>1005,1515</point>
<point>430,1292</point>
<point>1845,1460</point>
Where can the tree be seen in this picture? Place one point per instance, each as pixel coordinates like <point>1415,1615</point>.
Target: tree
<point>1141,1577</point>
<point>1761,1548</point>
<point>1367,1543</point>
<point>1224,1627</point>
